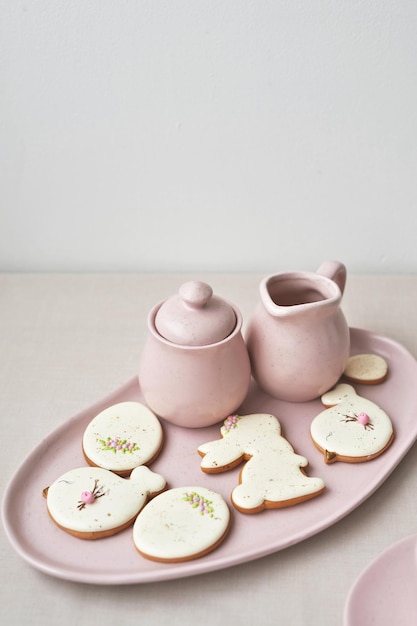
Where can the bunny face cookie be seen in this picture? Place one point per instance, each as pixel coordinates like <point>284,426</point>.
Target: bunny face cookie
<point>352,429</point>
<point>123,436</point>
<point>273,475</point>
<point>91,502</point>
<point>181,524</point>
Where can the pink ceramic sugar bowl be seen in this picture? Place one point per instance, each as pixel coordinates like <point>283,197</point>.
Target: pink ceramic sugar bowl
<point>194,369</point>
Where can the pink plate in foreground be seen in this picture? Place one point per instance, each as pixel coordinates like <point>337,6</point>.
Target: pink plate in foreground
<point>385,592</point>
<point>114,560</point>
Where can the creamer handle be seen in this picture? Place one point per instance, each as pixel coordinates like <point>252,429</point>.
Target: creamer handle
<point>334,270</point>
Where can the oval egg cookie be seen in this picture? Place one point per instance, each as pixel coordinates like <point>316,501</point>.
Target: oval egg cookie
<point>368,369</point>
<point>122,437</point>
<point>181,524</point>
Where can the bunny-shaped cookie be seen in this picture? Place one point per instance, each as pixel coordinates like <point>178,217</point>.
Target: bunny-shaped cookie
<point>352,429</point>
<point>92,502</point>
<point>273,475</point>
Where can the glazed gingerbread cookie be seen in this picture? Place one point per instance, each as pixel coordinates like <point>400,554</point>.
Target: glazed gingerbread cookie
<point>368,369</point>
<point>273,475</point>
<point>122,437</point>
<point>92,502</point>
<point>181,524</point>
<point>351,428</point>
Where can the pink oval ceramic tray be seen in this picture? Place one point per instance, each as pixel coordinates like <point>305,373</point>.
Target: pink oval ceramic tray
<point>114,560</point>
<point>385,592</point>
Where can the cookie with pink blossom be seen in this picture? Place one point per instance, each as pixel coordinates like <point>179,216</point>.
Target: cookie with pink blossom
<point>352,429</point>
<point>273,474</point>
<point>92,502</point>
<point>182,524</point>
<point>122,437</point>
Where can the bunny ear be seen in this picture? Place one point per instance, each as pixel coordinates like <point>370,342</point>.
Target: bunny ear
<point>338,394</point>
<point>149,481</point>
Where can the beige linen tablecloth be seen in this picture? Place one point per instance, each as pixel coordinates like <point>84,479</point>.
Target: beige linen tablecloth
<point>67,340</point>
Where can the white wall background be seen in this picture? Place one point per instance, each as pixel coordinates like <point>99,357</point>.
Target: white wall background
<point>236,135</point>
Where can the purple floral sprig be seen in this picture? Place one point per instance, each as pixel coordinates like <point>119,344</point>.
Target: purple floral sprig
<point>115,444</point>
<point>230,423</point>
<point>204,506</point>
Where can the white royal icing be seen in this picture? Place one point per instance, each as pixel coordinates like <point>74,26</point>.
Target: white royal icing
<point>181,524</point>
<point>366,368</point>
<point>272,475</point>
<point>337,429</point>
<point>123,436</point>
<point>115,500</point>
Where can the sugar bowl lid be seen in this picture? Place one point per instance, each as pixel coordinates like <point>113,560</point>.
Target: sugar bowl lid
<point>194,316</point>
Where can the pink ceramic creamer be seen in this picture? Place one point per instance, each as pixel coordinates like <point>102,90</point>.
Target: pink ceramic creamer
<point>298,338</point>
<point>194,370</point>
